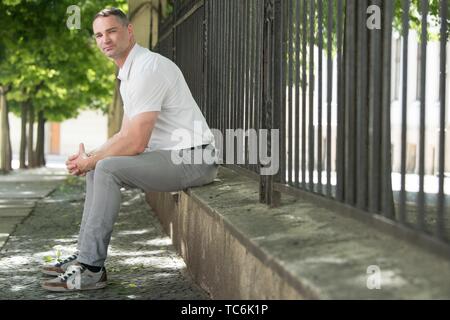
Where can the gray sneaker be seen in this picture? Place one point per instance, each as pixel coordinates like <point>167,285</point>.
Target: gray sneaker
<point>60,267</point>
<point>77,278</point>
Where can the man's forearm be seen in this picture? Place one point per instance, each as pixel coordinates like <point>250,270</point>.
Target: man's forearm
<point>118,145</point>
<point>106,145</point>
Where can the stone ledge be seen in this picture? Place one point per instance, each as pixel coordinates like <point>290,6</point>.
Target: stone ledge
<point>237,248</point>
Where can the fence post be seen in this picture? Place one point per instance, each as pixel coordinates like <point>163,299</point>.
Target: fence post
<point>205,60</point>
<point>270,117</point>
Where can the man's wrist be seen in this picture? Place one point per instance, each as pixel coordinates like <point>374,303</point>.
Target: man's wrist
<point>93,159</point>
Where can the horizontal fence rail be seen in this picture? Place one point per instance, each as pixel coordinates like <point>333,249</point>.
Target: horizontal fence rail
<point>357,90</point>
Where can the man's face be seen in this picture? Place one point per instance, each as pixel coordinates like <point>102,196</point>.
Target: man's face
<point>113,38</point>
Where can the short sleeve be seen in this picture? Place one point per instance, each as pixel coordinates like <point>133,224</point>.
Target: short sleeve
<point>148,92</point>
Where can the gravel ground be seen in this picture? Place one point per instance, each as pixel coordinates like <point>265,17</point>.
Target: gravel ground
<point>142,263</point>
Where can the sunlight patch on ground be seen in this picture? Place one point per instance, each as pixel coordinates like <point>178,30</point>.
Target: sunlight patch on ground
<point>158,262</point>
<point>8,263</point>
<point>325,259</point>
<point>133,232</point>
<point>67,240</point>
<point>116,253</point>
<point>157,242</point>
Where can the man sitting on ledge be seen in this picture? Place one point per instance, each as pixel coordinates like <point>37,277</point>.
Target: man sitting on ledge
<point>157,127</point>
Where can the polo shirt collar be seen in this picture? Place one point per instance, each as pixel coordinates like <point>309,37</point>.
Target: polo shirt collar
<point>124,72</point>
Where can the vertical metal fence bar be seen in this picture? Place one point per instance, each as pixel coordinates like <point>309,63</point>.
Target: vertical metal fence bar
<point>405,34</point>
<point>320,91</point>
<point>243,108</point>
<point>215,69</point>
<point>286,140</point>
<point>240,83</point>
<point>210,79</point>
<point>174,33</point>
<point>205,52</point>
<point>254,73</point>
<point>227,48</point>
<point>330,39</point>
<point>349,106</point>
<point>246,79</point>
<point>223,50</point>
<point>199,50</point>
<point>263,181</point>
<point>253,70</point>
<point>192,47</point>
<point>440,223</point>
<point>213,48</point>
<point>424,8</point>
<point>296,108</point>
<point>202,50</point>
<point>235,71</point>
<point>215,66</point>
<point>289,91</point>
<point>362,123</point>
<point>237,83</point>
<point>278,110</point>
<point>281,99</point>
<point>340,105</point>
<point>221,54</point>
<point>266,182</point>
<point>304,84</point>
<point>235,80</point>
<point>311,95</point>
<point>212,76</point>
<point>374,126</point>
<point>259,73</point>
<point>241,79</point>
<point>387,200</point>
<point>192,24</point>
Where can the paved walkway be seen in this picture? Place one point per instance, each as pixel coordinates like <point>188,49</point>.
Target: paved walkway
<point>40,214</point>
<point>19,192</point>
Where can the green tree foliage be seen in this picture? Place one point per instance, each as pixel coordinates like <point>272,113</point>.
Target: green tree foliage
<point>48,68</point>
<point>60,70</point>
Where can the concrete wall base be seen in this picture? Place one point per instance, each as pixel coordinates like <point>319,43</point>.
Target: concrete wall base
<point>217,260</point>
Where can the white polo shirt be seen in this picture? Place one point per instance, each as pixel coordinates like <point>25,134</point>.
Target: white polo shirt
<point>152,82</point>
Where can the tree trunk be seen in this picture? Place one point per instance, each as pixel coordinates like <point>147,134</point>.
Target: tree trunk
<point>40,156</point>
<point>8,141</point>
<point>31,156</point>
<point>23,135</point>
<point>5,142</point>
<point>115,112</point>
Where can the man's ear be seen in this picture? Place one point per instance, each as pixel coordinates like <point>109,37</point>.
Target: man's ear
<point>130,29</point>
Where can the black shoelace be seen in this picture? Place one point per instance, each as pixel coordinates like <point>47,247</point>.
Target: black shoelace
<point>69,259</point>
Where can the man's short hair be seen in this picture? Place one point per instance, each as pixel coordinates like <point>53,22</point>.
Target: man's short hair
<point>122,17</point>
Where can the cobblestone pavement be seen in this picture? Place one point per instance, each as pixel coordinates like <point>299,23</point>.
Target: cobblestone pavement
<point>142,263</point>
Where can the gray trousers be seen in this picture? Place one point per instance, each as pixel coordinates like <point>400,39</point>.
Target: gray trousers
<point>151,171</point>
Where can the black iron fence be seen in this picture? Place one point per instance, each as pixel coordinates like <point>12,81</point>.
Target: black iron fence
<point>356,88</point>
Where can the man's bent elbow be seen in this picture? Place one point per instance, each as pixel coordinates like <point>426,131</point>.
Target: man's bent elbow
<point>133,146</point>
<point>138,149</point>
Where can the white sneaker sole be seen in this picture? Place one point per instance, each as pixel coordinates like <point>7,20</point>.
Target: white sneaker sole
<point>50,273</point>
<point>99,285</point>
